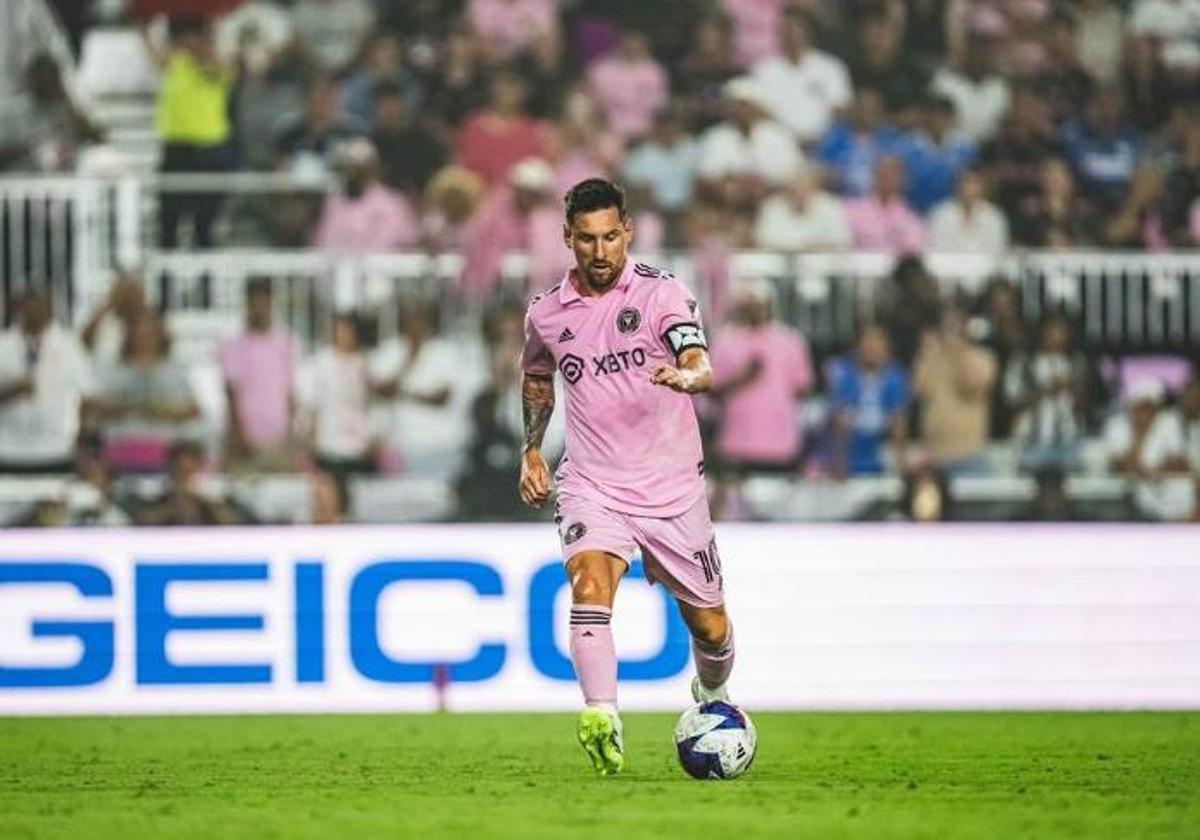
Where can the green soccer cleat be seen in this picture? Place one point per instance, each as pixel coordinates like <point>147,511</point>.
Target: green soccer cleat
<point>601,738</point>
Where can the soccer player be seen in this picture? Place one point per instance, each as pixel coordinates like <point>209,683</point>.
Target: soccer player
<point>629,344</point>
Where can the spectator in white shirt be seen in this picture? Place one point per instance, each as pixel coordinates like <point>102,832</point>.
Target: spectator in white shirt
<point>979,94</point>
<point>1046,391</point>
<point>803,218</point>
<point>748,146</point>
<point>145,402</point>
<point>336,389</point>
<point>1145,444</point>
<point>44,376</point>
<point>1173,26</point>
<point>969,223</point>
<point>1099,39</point>
<point>803,87</point>
<point>333,31</point>
<point>28,27</point>
<point>424,421</point>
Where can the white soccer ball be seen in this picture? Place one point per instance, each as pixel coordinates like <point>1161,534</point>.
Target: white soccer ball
<point>715,740</point>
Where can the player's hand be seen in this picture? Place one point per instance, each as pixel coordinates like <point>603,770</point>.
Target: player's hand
<point>535,478</point>
<point>674,378</point>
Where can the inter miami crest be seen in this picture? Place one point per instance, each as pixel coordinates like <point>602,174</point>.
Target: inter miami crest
<point>628,320</point>
<point>574,532</point>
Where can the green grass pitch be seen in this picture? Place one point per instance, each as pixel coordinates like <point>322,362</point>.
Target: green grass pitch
<point>523,776</point>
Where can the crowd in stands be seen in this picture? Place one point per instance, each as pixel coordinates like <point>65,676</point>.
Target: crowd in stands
<point>928,392</point>
<point>968,125</point>
<point>796,125</point>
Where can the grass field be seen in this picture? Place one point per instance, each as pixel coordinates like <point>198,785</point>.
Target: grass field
<point>485,776</point>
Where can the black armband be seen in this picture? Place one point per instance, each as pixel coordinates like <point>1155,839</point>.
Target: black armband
<point>683,336</point>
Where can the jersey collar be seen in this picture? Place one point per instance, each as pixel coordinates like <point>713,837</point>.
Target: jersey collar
<point>567,293</point>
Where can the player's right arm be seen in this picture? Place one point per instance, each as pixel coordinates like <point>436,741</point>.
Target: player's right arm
<point>537,405</point>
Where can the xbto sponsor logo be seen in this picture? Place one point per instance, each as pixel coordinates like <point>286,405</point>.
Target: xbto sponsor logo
<point>618,361</point>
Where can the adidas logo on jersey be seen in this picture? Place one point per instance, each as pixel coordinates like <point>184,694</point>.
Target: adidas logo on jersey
<point>566,335</point>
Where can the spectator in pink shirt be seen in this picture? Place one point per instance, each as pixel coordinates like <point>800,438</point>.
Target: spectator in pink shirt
<point>491,140</point>
<point>583,145</point>
<point>630,86</point>
<point>518,217</point>
<point>761,368</point>
<point>507,28</point>
<point>258,367</point>
<point>883,221</point>
<point>756,25</point>
<point>366,215</point>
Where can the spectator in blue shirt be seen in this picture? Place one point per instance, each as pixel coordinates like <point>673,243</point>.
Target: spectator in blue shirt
<point>852,147</point>
<point>1104,149</point>
<point>870,400</point>
<point>383,64</point>
<point>665,163</point>
<point>936,155</point>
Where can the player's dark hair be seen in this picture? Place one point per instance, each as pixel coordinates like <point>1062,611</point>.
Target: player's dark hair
<point>595,194</point>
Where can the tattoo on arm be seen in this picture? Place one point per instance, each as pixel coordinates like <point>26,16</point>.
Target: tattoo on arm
<point>537,404</point>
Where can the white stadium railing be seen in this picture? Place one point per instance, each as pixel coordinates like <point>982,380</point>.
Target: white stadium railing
<point>64,233</point>
<point>70,234</point>
<point>1126,302</point>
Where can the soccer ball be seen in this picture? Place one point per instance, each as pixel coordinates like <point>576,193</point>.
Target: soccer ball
<point>715,740</point>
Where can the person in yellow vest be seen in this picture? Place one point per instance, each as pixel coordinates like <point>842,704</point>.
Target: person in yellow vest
<point>192,119</point>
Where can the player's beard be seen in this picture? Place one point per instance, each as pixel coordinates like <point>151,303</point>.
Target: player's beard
<point>601,279</point>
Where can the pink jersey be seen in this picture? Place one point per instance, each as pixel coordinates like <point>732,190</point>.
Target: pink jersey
<point>632,446</point>
<point>760,422</point>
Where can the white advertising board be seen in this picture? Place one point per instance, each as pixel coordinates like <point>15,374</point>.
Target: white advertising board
<point>370,618</point>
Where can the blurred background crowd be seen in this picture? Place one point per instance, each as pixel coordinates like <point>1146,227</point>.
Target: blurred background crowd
<point>799,126</point>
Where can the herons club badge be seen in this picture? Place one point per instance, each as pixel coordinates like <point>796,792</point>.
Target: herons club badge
<point>628,320</point>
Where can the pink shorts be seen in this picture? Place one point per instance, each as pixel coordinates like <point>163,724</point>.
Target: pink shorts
<point>680,552</point>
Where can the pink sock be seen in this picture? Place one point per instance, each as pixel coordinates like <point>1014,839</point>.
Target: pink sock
<point>713,664</point>
<point>593,653</point>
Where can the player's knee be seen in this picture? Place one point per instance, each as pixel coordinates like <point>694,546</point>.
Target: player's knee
<point>710,628</point>
<point>588,588</point>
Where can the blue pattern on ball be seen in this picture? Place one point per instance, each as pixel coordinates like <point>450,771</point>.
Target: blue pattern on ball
<point>731,716</point>
<point>699,765</point>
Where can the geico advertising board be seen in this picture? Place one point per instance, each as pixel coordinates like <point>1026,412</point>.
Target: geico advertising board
<point>346,619</point>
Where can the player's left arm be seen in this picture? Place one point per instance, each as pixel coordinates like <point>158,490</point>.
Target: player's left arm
<point>682,332</point>
<point>691,374</point>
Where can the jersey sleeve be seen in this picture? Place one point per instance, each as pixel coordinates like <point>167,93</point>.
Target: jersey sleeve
<point>677,318</point>
<point>536,357</point>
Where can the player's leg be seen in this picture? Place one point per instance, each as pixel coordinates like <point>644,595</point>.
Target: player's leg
<point>712,649</point>
<point>598,545</point>
<point>682,554</point>
<point>594,576</point>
